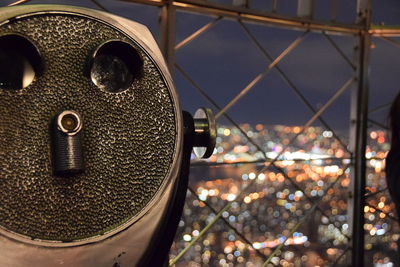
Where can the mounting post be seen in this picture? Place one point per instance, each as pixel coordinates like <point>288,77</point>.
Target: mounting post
<point>167,32</point>
<point>358,135</point>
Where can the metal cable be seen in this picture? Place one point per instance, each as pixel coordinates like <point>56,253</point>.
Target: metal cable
<point>381,211</point>
<point>229,224</point>
<point>304,218</point>
<point>197,33</point>
<point>294,229</point>
<point>313,201</point>
<point>298,188</point>
<point>341,255</point>
<point>102,7</point>
<point>260,76</point>
<point>391,41</point>
<point>291,84</point>
<point>378,124</point>
<point>19,2</point>
<point>375,193</point>
<point>212,102</point>
<point>340,51</point>
<point>380,107</point>
<point>308,123</point>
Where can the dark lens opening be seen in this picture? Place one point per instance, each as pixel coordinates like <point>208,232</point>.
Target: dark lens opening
<point>115,65</point>
<point>20,62</point>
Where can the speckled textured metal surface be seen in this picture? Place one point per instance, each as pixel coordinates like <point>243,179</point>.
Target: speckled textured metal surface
<point>129,137</point>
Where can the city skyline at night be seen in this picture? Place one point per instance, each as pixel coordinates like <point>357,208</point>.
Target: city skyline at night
<point>316,163</point>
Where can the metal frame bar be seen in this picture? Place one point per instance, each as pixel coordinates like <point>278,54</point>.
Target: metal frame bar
<point>270,18</point>
<point>381,31</point>
<point>274,6</point>
<point>260,161</point>
<point>358,135</point>
<point>246,14</point>
<point>168,19</point>
<point>334,4</point>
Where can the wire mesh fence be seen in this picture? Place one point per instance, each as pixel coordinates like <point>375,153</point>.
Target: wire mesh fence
<point>274,194</point>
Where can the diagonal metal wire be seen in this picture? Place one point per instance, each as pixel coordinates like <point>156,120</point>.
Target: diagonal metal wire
<point>202,232</point>
<point>381,125</point>
<point>340,51</point>
<point>291,84</point>
<point>329,103</point>
<point>381,211</point>
<point>316,203</point>
<point>310,199</point>
<point>315,116</point>
<point>391,41</point>
<point>294,229</point>
<point>212,102</point>
<point>219,214</point>
<point>260,76</point>
<point>341,256</point>
<point>304,219</point>
<point>229,224</point>
<point>197,33</point>
<point>229,118</point>
<point>380,107</point>
<point>346,85</point>
<point>98,4</point>
<point>272,162</point>
<point>376,193</point>
<point>18,2</point>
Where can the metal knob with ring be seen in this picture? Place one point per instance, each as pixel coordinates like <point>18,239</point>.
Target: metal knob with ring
<point>205,133</point>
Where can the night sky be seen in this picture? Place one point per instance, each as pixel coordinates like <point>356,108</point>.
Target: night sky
<point>224,60</point>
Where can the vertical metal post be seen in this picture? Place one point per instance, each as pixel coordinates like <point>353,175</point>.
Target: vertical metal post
<point>305,8</point>
<point>274,6</point>
<point>358,136</point>
<point>334,8</point>
<point>167,33</point>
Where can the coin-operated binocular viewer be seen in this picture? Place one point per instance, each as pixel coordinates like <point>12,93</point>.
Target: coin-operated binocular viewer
<point>94,147</point>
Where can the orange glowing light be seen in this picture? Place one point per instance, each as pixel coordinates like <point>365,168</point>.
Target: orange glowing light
<point>259,127</point>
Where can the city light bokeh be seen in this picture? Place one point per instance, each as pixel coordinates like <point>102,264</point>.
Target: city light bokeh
<point>311,166</point>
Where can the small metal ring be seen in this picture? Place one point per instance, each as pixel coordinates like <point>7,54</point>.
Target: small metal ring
<point>76,116</point>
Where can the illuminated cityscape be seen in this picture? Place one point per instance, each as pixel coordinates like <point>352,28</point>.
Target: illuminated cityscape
<point>310,167</point>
